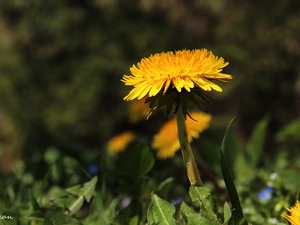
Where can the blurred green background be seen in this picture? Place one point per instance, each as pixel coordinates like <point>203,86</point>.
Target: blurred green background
<point>61,63</point>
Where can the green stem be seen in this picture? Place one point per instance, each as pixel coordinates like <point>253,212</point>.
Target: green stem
<point>186,149</point>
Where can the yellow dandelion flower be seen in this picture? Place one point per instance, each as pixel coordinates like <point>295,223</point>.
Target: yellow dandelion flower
<point>183,69</point>
<point>173,79</point>
<point>138,110</point>
<point>120,142</point>
<point>166,140</point>
<point>294,218</point>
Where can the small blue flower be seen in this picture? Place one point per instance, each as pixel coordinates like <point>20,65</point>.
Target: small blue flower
<point>125,202</point>
<point>176,201</point>
<point>266,194</point>
<point>93,169</point>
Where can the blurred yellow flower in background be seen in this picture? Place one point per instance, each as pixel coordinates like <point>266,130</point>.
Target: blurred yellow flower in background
<point>294,218</point>
<point>183,69</point>
<point>138,110</point>
<point>120,142</point>
<point>166,140</point>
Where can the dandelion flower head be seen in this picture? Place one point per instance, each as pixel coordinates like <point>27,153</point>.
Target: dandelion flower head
<point>182,70</point>
<point>294,217</point>
<point>166,140</point>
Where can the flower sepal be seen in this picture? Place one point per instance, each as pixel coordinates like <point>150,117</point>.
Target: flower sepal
<point>171,99</point>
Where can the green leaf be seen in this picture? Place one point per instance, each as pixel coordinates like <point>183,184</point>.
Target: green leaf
<point>208,202</point>
<point>37,214</point>
<point>197,193</point>
<point>86,191</point>
<point>194,218</point>
<point>137,163</point>
<point>55,216</point>
<point>240,165</point>
<point>73,204</point>
<point>160,212</point>
<point>33,201</point>
<point>134,220</point>
<point>164,187</point>
<point>197,220</point>
<point>236,155</point>
<point>76,195</point>
<point>256,143</point>
<point>75,190</point>
<point>107,209</point>
<point>290,131</point>
<point>227,213</point>
<point>232,192</point>
<point>186,210</point>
